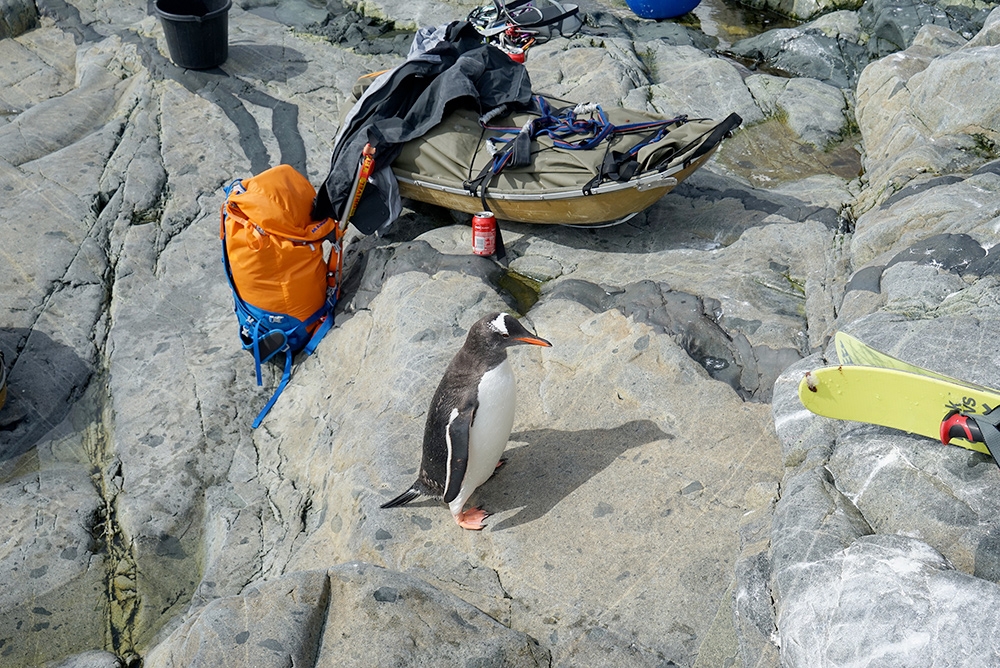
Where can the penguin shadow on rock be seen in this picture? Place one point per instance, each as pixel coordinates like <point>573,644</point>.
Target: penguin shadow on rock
<point>553,463</point>
<point>44,379</point>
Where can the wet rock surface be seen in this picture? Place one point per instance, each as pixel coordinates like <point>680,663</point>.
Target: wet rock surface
<point>666,499</point>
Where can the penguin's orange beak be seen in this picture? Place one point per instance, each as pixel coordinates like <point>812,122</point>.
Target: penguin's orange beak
<point>533,340</point>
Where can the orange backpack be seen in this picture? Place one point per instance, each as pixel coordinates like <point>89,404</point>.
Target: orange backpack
<point>272,250</point>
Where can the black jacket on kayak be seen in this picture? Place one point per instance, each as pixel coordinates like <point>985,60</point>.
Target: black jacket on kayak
<point>447,66</point>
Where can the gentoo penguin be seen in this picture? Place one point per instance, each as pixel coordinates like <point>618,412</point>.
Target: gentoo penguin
<point>470,418</point>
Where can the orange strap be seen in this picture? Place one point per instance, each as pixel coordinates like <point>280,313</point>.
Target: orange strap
<point>364,172</point>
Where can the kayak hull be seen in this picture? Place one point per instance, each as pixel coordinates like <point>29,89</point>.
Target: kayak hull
<point>609,203</point>
<point>558,185</point>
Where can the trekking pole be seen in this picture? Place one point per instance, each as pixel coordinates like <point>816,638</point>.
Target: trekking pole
<point>366,164</point>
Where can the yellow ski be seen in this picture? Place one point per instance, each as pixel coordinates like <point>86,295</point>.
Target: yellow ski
<point>854,351</point>
<point>901,399</point>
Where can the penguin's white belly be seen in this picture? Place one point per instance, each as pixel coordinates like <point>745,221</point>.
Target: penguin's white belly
<point>489,431</point>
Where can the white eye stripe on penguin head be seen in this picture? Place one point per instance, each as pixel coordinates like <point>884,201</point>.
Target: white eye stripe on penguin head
<point>499,324</point>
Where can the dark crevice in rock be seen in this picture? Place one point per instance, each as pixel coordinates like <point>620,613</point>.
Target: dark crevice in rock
<point>350,28</point>
<point>100,202</point>
<point>304,515</point>
<point>118,550</point>
<point>951,252</point>
<point>67,17</point>
<point>120,568</point>
<point>917,188</point>
<point>956,253</point>
<point>320,618</point>
<point>866,278</point>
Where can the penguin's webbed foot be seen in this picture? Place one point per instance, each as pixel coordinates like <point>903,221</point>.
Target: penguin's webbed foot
<point>472,519</point>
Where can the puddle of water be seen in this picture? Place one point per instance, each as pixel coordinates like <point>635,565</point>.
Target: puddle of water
<point>768,154</point>
<point>524,290</point>
<point>730,21</point>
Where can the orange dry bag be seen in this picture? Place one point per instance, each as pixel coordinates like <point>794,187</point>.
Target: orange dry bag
<point>272,250</point>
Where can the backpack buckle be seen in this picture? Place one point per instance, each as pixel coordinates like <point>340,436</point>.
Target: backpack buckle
<point>273,343</point>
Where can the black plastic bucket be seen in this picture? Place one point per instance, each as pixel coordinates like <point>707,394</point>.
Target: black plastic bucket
<point>197,31</point>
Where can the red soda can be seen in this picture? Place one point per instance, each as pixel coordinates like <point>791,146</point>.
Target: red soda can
<point>484,233</point>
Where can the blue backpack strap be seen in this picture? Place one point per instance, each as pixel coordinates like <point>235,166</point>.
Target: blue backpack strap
<point>281,386</point>
<point>325,326</point>
<point>326,312</point>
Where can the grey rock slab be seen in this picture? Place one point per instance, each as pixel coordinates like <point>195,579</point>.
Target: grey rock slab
<point>586,425</point>
<point>350,615</point>
<point>42,65</point>
<point>891,597</point>
<point>803,9</point>
<point>940,40</point>
<point>57,122</point>
<point>914,288</point>
<point>908,486</point>
<point>602,71</point>
<point>804,52</point>
<point>815,111</point>
<point>414,15</point>
<point>842,24</point>
<point>690,82</point>
<point>51,561</point>
<point>964,206</point>
<point>91,659</point>
<point>906,134</point>
<point>951,75</point>
<point>812,522</point>
<point>50,231</point>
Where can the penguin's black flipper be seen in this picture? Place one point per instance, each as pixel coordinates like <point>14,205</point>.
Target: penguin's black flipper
<point>458,451</point>
<point>402,499</point>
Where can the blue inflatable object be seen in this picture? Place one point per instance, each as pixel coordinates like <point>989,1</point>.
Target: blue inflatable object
<point>661,9</point>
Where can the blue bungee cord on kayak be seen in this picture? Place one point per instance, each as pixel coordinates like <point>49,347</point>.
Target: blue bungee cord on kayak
<point>575,128</point>
<point>582,127</point>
